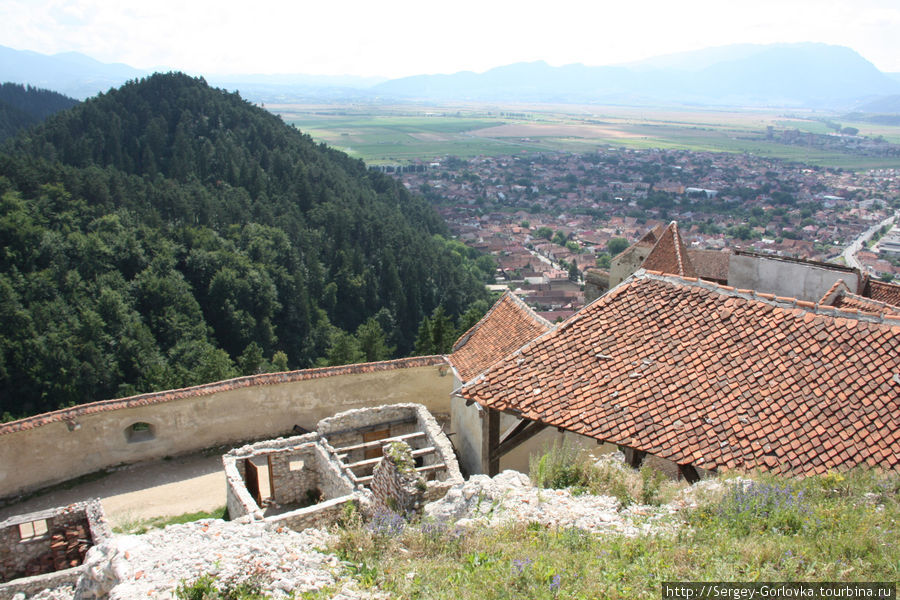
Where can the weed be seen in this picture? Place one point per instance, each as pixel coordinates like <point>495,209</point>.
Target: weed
<point>141,526</point>
<point>207,587</point>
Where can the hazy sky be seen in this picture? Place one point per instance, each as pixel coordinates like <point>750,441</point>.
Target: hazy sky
<point>394,38</point>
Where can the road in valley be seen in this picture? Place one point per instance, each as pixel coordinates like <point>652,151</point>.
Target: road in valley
<point>849,253</point>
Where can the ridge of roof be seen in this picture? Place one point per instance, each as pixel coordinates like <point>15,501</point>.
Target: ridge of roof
<point>648,240</point>
<point>669,246</point>
<point>161,397</point>
<point>507,295</point>
<point>771,299</point>
<point>834,291</point>
<point>506,326</point>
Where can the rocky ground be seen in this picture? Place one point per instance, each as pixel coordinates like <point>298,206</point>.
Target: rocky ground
<point>152,565</point>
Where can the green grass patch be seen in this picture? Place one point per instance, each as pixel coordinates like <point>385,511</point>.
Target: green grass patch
<point>837,527</point>
<point>141,526</point>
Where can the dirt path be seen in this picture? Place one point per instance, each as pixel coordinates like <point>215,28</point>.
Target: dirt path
<point>190,483</point>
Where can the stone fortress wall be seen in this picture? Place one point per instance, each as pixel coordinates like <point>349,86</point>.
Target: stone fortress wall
<point>46,449</point>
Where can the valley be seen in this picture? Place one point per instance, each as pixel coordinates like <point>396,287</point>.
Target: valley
<point>397,134</point>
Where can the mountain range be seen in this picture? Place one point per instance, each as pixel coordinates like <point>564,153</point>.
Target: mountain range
<point>776,75</point>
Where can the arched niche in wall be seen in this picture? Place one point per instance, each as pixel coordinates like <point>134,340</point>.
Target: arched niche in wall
<point>140,432</point>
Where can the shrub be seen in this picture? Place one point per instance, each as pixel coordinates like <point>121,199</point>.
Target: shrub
<point>560,466</point>
<point>758,507</point>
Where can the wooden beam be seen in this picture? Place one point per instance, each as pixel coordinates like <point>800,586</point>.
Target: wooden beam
<point>689,473</point>
<point>371,462</point>
<point>425,469</point>
<point>523,431</point>
<point>342,452</point>
<point>490,439</point>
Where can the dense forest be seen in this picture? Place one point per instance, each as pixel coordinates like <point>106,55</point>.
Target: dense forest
<point>23,106</point>
<point>167,233</point>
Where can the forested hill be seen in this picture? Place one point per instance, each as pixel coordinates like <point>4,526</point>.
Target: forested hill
<point>23,106</point>
<point>167,233</point>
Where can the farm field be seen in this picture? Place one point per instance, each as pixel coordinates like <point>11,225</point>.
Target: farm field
<point>405,133</point>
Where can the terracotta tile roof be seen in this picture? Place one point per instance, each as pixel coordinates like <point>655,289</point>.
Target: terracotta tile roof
<point>853,302</point>
<point>710,264</point>
<point>506,326</point>
<point>712,376</point>
<point>883,292</point>
<point>669,255</point>
<point>651,237</point>
<point>69,414</point>
<point>840,296</point>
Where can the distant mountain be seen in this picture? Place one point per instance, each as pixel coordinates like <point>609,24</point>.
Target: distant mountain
<point>69,73</point>
<point>296,87</point>
<point>23,106</point>
<point>814,75</point>
<point>887,105</point>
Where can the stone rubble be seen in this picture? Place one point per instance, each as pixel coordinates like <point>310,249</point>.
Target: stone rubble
<point>152,565</point>
<point>510,497</point>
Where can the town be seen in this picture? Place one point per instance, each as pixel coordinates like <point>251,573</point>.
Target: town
<point>546,218</point>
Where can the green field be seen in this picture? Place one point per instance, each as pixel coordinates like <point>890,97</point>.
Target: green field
<point>406,133</point>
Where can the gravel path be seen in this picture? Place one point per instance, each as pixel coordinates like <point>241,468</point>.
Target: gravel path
<point>186,484</point>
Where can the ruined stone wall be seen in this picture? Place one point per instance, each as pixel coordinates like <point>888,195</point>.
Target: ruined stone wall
<point>322,514</point>
<point>294,474</point>
<point>65,536</point>
<point>85,439</point>
<point>333,482</point>
<point>396,486</point>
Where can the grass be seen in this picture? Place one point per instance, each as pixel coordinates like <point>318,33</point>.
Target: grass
<point>837,527</point>
<point>832,528</point>
<point>563,466</point>
<point>141,526</point>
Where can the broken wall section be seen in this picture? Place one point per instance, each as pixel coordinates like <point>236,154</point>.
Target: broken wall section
<point>357,437</point>
<point>47,548</point>
<point>300,474</point>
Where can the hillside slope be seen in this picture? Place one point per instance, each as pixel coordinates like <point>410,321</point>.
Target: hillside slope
<point>23,106</point>
<point>168,233</point>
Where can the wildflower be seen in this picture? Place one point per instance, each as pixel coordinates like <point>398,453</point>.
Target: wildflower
<point>521,564</point>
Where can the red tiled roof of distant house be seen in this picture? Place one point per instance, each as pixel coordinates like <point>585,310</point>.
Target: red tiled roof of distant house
<point>506,326</point>
<point>704,374</point>
<point>669,255</point>
<point>69,414</point>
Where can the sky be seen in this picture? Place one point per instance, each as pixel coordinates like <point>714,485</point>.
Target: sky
<point>396,38</point>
